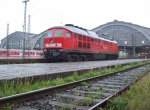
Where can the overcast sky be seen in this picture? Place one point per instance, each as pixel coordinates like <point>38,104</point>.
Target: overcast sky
<point>84,13</point>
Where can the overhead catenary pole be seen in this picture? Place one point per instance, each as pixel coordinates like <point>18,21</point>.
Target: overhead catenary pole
<point>24,37</point>
<point>125,52</point>
<point>133,45</point>
<point>29,23</point>
<point>29,17</point>
<point>7,40</point>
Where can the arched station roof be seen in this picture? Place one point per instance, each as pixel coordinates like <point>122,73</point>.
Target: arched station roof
<point>36,43</point>
<point>125,33</point>
<point>15,40</point>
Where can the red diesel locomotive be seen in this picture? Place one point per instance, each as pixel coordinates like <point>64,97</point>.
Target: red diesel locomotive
<point>73,43</point>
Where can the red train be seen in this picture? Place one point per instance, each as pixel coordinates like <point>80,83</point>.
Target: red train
<point>18,53</point>
<point>73,43</point>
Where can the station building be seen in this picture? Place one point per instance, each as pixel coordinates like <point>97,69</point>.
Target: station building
<point>133,40</point>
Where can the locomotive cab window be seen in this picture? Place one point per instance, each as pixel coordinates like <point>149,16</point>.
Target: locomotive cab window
<point>58,33</point>
<point>49,34</point>
<point>68,35</point>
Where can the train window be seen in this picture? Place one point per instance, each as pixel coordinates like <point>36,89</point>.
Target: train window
<point>79,44</point>
<point>49,34</point>
<point>75,36</point>
<point>92,40</point>
<point>98,40</point>
<point>80,37</point>
<point>58,33</point>
<point>84,38</point>
<point>88,39</point>
<point>95,40</point>
<point>84,45</point>
<point>106,43</point>
<point>88,45</point>
<point>111,44</point>
<point>68,35</point>
<point>103,42</point>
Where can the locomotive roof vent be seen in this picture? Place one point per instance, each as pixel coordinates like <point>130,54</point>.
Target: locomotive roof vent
<point>69,25</point>
<point>75,26</point>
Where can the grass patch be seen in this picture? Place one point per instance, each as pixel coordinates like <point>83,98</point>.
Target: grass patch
<point>83,83</point>
<point>136,98</point>
<point>7,107</point>
<point>94,95</point>
<point>84,102</point>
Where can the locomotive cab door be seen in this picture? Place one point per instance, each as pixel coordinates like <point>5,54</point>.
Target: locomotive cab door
<point>68,40</point>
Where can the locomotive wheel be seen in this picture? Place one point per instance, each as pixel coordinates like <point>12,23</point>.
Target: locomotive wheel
<point>81,57</point>
<point>70,58</point>
<point>90,57</point>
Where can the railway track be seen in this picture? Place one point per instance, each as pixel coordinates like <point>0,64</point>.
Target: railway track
<point>87,94</point>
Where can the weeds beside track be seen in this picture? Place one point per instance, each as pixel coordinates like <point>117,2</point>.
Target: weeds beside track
<point>136,98</point>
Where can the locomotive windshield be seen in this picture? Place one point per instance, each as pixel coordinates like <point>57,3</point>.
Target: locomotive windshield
<point>49,34</point>
<point>58,33</point>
